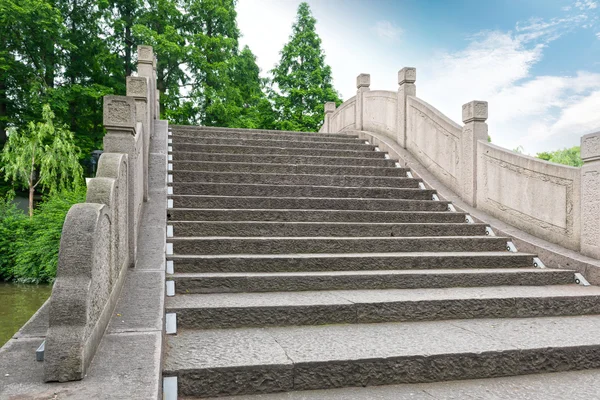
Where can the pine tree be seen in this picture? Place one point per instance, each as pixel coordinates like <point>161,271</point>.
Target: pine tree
<point>302,80</point>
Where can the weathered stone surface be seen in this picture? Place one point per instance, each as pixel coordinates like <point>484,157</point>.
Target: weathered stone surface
<point>119,113</point>
<point>184,132</point>
<point>475,111</point>
<point>280,143</point>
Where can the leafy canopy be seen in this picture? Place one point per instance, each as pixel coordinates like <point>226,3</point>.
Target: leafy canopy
<point>44,155</point>
<point>302,80</point>
<point>570,156</point>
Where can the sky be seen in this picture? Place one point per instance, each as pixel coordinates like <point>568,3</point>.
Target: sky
<point>536,62</point>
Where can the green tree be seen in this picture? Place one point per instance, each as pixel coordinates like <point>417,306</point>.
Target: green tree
<point>567,156</point>
<point>44,155</point>
<point>302,80</point>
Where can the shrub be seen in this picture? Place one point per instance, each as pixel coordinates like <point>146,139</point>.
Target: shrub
<point>39,239</point>
<point>12,222</point>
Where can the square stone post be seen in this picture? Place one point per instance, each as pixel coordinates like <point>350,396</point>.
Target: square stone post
<point>119,115</point>
<point>406,87</point>
<point>138,88</point>
<point>590,195</point>
<point>474,115</point>
<point>156,92</point>
<point>146,68</point>
<point>363,81</point>
<point>329,110</point>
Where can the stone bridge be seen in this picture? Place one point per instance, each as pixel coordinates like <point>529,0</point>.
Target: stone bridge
<point>395,254</point>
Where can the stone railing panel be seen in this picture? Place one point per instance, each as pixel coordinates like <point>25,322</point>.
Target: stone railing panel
<point>539,197</point>
<point>435,140</point>
<point>78,315</point>
<point>343,117</point>
<point>380,112</point>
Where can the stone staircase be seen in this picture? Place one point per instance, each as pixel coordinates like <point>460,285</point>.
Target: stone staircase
<point>312,261</point>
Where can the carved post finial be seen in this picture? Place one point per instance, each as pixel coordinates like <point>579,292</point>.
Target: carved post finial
<point>119,114</point>
<point>329,109</point>
<point>406,87</point>
<point>475,111</point>
<point>363,81</point>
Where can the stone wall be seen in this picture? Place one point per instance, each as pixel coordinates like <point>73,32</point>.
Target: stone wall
<point>99,237</point>
<point>554,202</point>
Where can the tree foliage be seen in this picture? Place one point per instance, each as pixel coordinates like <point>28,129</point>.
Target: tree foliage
<point>567,156</point>
<point>302,81</point>
<point>44,155</point>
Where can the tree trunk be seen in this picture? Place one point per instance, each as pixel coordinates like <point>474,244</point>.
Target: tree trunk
<point>3,113</point>
<point>31,192</point>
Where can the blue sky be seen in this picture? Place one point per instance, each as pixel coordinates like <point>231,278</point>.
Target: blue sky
<point>536,62</point>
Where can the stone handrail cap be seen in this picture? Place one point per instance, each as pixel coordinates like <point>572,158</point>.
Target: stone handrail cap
<point>119,112</point>
<point>330,107</point>
<point>363,80</point>
<point>407,75</point>
<point>590,146</point>
<point>475,110</point>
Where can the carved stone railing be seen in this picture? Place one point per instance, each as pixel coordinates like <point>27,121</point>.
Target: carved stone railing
<point>554,202</point>
<point>99,237</point>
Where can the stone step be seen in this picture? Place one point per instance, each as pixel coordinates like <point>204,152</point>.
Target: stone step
<point>312,245</point>
<point>211,214</point>
<point>365,280</point>
<point>349,262</point>
<point>294,179</point>
<point>220,134</point>
<point>241,149</point>
<point>323,143</point>
<point>331,229</point>
<point>205,129</point>
<point>182,155</point>
<point>237,310</point>
<point>253,361</point>
<point>270,168</point>
<point>299,191</point>
<point>305,203</point>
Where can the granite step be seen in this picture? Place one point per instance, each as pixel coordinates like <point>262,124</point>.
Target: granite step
<point>314,245</point>
<point>305,169</point>
<point>365,280</point>
<point>266,215</point>
<point>238,310</point>
<point>305,203</point>
<point>349,261</point>
<point>294,179</point>
<point>182,155</point>
<point>220,134</point>
<point>253,361</point>
<point>299,191</point>
<point>323,229</point>
<point>358,145</point>
<point>241,149</point>
<point>204,129</point>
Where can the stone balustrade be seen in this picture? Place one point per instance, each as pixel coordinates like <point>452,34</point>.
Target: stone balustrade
<point>99,238</point>
<point>553,202</point>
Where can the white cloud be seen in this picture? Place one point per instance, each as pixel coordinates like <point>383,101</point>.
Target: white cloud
<point>598,35</point>
<point>387,30</point>
<point>586,4</point>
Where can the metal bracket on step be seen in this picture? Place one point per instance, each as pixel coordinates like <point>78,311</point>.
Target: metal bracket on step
<point>39,353</point>
<point>170,149</point>
<point>469,219</point>
<point>169,231</point>
<point>170,268</point>
<point>377,148</point>
<point>169,249</point>
<point>170,141</point>
<point>435,197</point>
<point>409,174</point>
<point>537,263</point>
<point>171,323</point>
<point>170,288</point>
<point>170,388</point>
<point>398,165</point>
<point>169,189</point>
<point>170,203</point>
<point>489,231</point>
<point>367,142</point>
<point>451,208</point>
<point>170,157</point>
<point>169,178</point>
<point>580,280</point>
<point>422,186</point>
<point>510,246</point>
<point>386,156</point>
<point>169,167</point>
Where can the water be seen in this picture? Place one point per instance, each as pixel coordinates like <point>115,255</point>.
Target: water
<point>17,304</point>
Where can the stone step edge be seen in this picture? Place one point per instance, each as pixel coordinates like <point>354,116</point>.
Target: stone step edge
<point>247,130</point>
<point>405,254</point>
<point>316,176</point>
<point>278,165</point>
<point>308,150</point>
<point>249,141</point>
<point>282,156</point>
